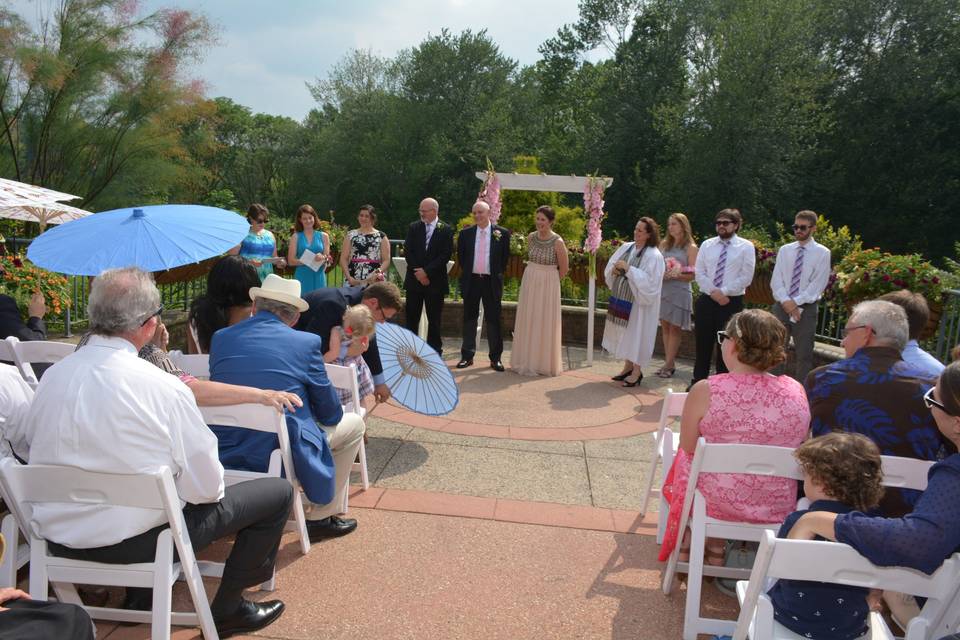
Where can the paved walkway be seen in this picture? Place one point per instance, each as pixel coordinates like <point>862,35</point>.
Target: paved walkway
<point>513,517</point>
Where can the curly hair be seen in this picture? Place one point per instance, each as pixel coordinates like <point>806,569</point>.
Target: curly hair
<point>846,465</point>
<point>760,338</point>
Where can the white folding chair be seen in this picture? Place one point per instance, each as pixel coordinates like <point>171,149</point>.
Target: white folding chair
<point>17,553</point>
<point>29,485</point>
<point>196,365</point>
<point>758,460</point>
<point>38,351</point>
<point>665,448</point>
<point>345,377</point>
<point>8,350</point>
<point>750,459</point>
<point>258,417</point>
<point>839,564</point>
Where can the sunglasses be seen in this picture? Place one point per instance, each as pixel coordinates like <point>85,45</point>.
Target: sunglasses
<point>155,313</point>
<point>723,223</point>
<point>721,336</point>
<point>801,227</point>
<point>930,402</point>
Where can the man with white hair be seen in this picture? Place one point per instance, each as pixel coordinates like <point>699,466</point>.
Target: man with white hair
<point>103,409</point>
<point>265,351</point>
<point>427,249</point>
<point>873,391</point>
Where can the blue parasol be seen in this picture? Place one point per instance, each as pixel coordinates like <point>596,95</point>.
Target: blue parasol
<point>153,238</point>
<point>416,375</point>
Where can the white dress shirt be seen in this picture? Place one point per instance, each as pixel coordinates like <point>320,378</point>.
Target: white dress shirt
<point>922,360</point>
<point>481,259</point>
<point>104,409</point>
<point>16,397</point>
<point>738,272</point>
<point>813,277</point>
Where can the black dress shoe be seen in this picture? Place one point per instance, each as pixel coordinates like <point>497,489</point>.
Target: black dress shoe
<point>627,383</point>
<point>496,365</point>
<point>249,616</point>
<point>331,527</point>
<point>621,377</point>
<point>463,364</point>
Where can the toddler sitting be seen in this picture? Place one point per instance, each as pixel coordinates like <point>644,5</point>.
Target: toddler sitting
<point>348,342</point>
<point>841,473</point>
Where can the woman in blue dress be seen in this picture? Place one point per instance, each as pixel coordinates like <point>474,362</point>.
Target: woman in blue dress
<point>309,236</point>
<point>259,247</point>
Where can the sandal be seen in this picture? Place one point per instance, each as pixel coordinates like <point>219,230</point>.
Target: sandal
<point>666,372</point>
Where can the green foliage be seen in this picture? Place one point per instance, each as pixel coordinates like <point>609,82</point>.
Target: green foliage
<point>869,273</point>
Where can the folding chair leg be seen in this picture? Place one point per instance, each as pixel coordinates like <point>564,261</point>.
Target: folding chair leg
<point>8,568</point>
<point>364,477</point>
<point>300,519</point>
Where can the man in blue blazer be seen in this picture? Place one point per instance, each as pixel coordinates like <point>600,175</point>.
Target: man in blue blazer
<point>482,252</point>
<point>265,351</point>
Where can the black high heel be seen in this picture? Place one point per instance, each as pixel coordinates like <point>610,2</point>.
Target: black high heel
<point>622,376</point>
<point>627,383</point>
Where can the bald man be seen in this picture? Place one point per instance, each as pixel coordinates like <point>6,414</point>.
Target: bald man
<point>428,248</point>
<point>482,251</point>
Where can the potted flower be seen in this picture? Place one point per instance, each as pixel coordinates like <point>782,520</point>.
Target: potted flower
<point>869,273</point>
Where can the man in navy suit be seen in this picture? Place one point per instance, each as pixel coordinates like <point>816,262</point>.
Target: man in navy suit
<point>326,312</point>
<point>265,351</point>
<point>428,248</point>
<point>482,251</point>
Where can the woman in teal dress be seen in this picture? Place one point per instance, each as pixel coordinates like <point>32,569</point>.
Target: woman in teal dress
<point>309,236</point>
<point>259,247</point>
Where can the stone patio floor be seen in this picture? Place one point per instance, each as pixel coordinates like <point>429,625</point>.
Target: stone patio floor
<point>515,516</point>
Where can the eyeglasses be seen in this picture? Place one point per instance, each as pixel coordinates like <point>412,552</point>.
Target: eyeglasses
<point>801,227</point>
<point>723,223</point>
<point>930,402</point>
<point>723,335</point>
<point>155,313</point>
<point>846,330</point>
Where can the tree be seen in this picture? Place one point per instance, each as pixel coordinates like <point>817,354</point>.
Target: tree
<point>83,99</point>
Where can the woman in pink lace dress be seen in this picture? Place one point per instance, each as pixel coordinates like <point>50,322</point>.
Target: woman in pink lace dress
<point>748,405</point>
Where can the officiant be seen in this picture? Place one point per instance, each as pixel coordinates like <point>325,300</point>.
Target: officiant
<point>634,275</point>
<point>309,250</point>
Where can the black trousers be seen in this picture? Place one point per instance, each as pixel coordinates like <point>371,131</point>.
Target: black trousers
<point>256,511</point>
<point>481,290</point>
<point>710,317</point>
<point>433,301</point>
<point>34,620</point>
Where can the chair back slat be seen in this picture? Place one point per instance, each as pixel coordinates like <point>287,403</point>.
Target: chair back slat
<point>345,377</point>
<point>258,417</point>
<point>194,364</point>
<point>754,459</point>
<point>905,473</point>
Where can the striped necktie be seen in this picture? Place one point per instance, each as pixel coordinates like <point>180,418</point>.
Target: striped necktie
<point>426,243</point>
<point>721,265</point>
<point>797,271</point>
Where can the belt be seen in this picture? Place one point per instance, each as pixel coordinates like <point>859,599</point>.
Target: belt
<point>481,275</point>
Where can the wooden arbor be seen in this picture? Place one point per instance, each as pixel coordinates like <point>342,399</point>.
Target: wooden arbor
<point>558,184</point>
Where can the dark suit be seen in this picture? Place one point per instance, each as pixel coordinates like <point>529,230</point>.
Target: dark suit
<point>326,312</point>
<point>482,288</point>
<point>432,259</point>
<point>264,352</point>
<point>11,323</point>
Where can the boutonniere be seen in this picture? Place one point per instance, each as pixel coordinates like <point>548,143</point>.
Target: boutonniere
<point>441,225</point>
<point>496,234</point>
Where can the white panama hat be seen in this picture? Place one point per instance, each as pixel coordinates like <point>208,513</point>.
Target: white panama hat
<point>282,290</point>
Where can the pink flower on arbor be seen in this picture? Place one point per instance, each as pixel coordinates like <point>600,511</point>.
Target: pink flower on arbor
<point>490,193</point>
<point>593,207</point>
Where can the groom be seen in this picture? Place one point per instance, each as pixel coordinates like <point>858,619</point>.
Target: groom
<point>482,251</point>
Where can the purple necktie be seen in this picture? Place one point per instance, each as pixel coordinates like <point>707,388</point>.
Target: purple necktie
<point>797,271</point>
<point>721,265</point>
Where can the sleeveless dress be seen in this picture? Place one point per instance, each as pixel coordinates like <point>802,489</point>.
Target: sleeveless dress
<point>536,333</point>
<point>676,299</point>
<point>365,257</point>
<point>310,279</point>
<point>747,409</point>
<point>259,247</point>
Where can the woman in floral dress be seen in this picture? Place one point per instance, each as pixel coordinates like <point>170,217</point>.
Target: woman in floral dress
<point>365,256</point>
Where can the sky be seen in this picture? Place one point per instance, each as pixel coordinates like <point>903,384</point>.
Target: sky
<point>268,51</point>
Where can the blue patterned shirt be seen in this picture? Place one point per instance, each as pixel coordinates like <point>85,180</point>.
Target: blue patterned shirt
<point>878,394</point>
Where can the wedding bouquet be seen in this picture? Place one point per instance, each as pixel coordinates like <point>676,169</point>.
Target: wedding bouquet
<point>674,268</point>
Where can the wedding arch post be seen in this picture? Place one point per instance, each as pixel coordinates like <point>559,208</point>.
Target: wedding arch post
<point>561,184</point>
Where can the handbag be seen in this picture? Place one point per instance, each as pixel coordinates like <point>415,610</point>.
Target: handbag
<point>739,554</point>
